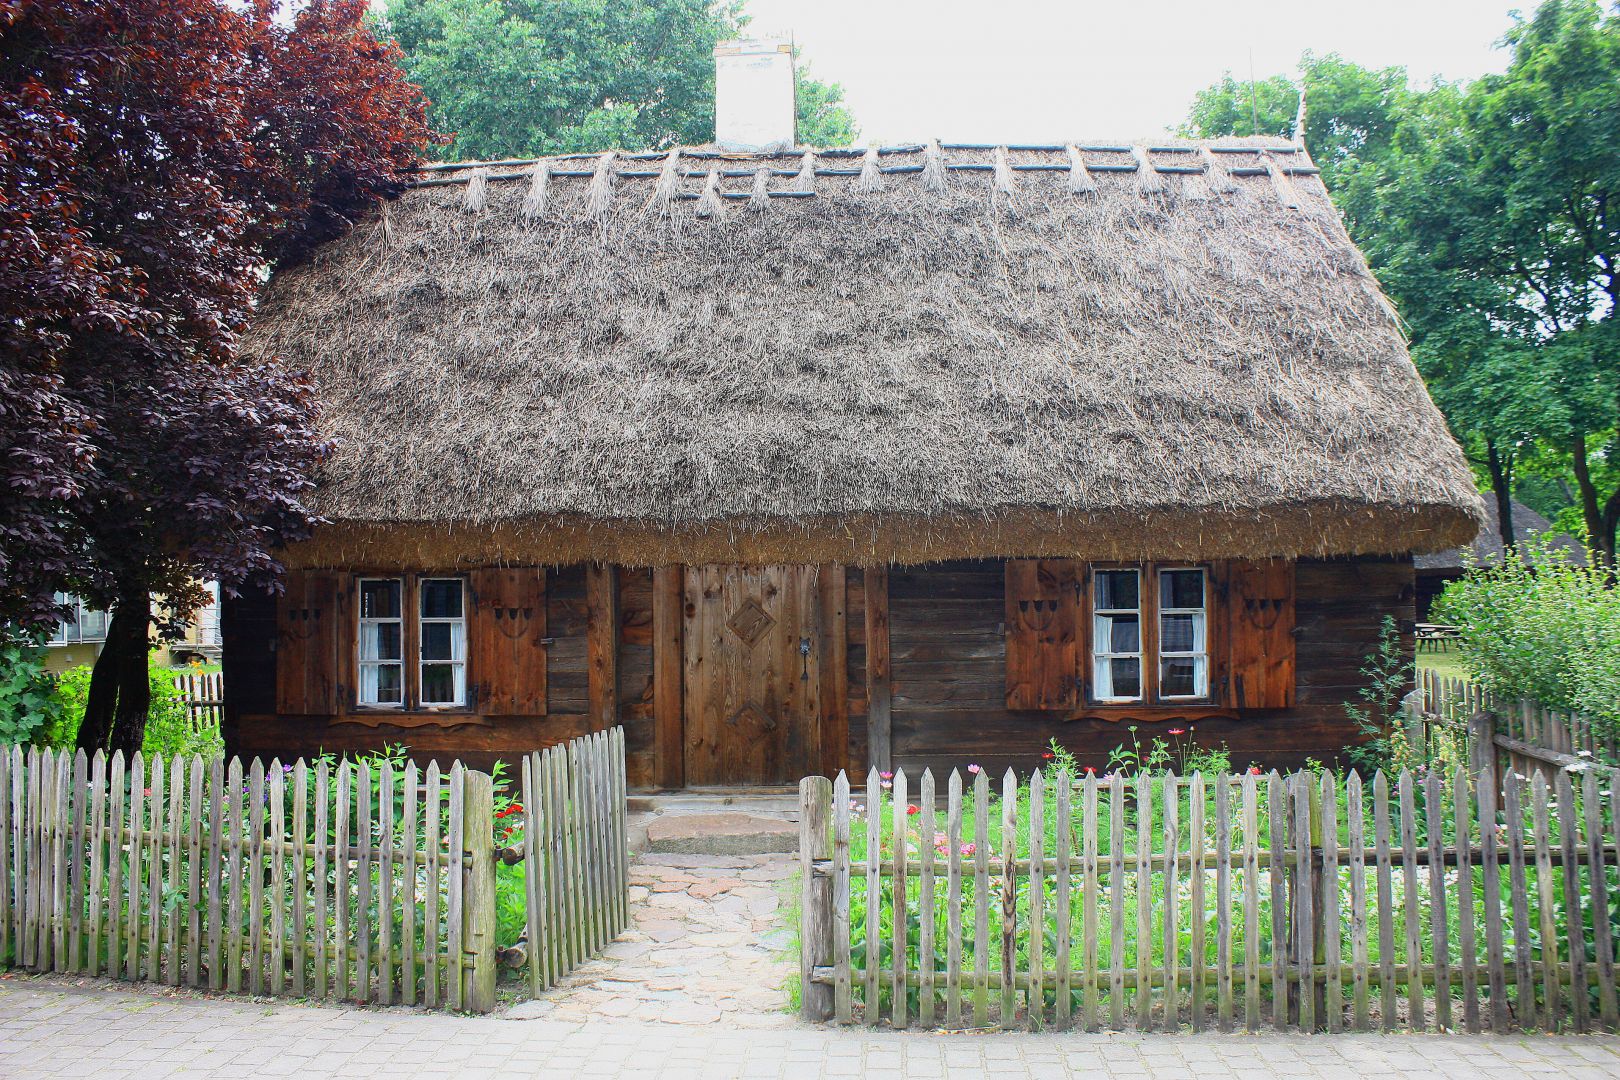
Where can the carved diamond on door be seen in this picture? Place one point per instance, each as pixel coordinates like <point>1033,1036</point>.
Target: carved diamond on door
<point>751,718</point>
<point>750,622</point>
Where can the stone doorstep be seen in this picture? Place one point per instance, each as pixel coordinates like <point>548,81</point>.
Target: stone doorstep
<point>726,832</point>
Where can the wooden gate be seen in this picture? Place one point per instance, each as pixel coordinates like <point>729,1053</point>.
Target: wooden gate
<point>753,674</point>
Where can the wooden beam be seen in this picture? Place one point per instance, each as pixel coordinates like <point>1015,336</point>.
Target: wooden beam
<point>669,617</point>
<point>879,684</point>
<point>834,647</point>
<point>602,645</point>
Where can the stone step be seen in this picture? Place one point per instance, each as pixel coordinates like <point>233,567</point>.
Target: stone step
<point>721,832</point>
<point>771,803</point>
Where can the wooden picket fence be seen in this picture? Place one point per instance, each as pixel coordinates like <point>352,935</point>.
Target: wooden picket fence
<point>1306,902</point>
<point>361,881</point>
<point>577,852</point>
<point>204,695</point>
<point>1530,735</point>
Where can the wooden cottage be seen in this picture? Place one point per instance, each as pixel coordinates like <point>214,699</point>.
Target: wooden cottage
<point>798,461</point>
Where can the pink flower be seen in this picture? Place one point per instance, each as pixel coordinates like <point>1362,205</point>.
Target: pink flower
<point>885,776</point>
<point>886,784</point>
<point>975,770</point>
<point>1178,731</point>
<point>969,849</point>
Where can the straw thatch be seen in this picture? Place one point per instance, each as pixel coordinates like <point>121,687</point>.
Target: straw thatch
<point>906,355</point>
<point>1529,528</point>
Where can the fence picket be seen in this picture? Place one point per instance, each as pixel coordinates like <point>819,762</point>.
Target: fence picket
<point>1036,994</point>
<point>1490,879</point>
<point>1330,900</point>
<point>76,868</point>
<point>1551,981</point>
<point>364,863</point>
<point>1116,901</point>
<point>278,878</point>
<point>216,882</point>
<point>898,963</point>
<point>1277,805</point>
<point>138,837</point>
<point>1172,888</point>
<point>1063,835</point>
<point>1224,1006</point>
<point>842,1009</point>
<point>341,844</point>
<point>300,936</point>
<point>98,858</point>
<point>257,800</point>
<point>1569,844</point>
<point>60,824</point>
<point>870,1000</point>
<point>115,865</point>
<point>1196,911</point>
<point>1524,994</point>
<point>925,900</point>
<point>1435,815</point>
<point>1306,819</point>
<point>1356,835</point>
<point>1088,947</point>
<point>1251,903</point>
<point>323,912</point>
<point>1598,883</point>
<point>953,901</point>
<point>194,865</point>
<point>1009,899</point>
<point>1463,833</point>
<point>432,795</point>
<point>387,865</point>
<point>981,898</point>
<point>455,978</point>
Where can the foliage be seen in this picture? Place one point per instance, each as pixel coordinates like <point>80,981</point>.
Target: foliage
<point>1545,630</point>
<point>160,157</point>
<point>1175,751</point>
<point>28,700</point>
<point>1388,741</point>
<point>169,727</point>
<point>538,77</point>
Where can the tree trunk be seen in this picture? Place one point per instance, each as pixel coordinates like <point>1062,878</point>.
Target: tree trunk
<point>1501,469</point>
<point>1599,520</point>
<point>120,692</point>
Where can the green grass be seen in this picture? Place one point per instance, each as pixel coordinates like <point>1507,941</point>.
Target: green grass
<point>1447,662</point>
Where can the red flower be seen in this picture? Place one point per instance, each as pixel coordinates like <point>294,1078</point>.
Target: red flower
<point>1091,768</point>
<point>1254,770</point>
<point>1178,731</point>
<point>1047,756</point>
<point>913,810</point>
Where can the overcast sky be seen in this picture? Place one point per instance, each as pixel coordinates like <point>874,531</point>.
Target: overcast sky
<point>1021,70</point>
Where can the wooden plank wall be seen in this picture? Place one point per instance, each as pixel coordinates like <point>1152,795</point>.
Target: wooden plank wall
<point>949,657</point>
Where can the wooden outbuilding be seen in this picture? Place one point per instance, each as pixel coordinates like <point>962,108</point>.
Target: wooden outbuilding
<point>792,462</point>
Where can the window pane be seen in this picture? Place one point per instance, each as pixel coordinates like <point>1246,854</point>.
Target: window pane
<point>1119,633</point>
<point>443,641</point>
<point>379,599</point>
<point>381,641</point>
<point>1181,676</point>
<point>380,684</point>
<point>1181,589</point>
<point>441,684</point>
<point>1126,675</point>
<point>1116,589</point>
<point>1181,633</point>
<point>441,599</point>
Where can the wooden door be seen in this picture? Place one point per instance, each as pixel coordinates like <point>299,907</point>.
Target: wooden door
<point>753,654</point>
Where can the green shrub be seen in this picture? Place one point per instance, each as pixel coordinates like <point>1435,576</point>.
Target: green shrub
<point>28,701</point>
<point>1547,631</point>
<point>169,728</point>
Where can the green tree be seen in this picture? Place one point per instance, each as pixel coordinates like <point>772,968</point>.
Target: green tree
<point>823,118</point>
<point>515,77</point>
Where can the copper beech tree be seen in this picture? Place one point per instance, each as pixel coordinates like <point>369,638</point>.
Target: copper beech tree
<point>157,158</point>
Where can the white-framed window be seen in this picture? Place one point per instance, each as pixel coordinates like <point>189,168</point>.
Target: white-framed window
<point>81,624</point>
<point>1183,633</point>
<point>1116,634</point>
<point>443,674</point>
<point>382,642</point>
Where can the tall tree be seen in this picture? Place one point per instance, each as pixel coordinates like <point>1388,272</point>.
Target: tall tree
<point>159,157</point>
<point>512,77</point>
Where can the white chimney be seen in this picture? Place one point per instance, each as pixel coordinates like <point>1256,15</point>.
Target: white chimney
<point>754,103</point>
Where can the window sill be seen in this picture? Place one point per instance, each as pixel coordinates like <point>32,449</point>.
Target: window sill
<point>364,716</point>
<point>1156,713</point>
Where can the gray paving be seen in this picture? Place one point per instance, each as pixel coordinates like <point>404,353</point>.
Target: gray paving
<point>52,1027</point>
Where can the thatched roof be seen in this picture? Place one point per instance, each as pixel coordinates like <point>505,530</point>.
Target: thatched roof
<point>902,354</point>
<point>1487,548</point>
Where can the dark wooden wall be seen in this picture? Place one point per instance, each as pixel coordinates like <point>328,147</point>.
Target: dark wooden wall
<point>947,688</point>
<point>949,655</point>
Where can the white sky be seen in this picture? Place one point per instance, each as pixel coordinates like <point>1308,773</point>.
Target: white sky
<point>1023,70</point>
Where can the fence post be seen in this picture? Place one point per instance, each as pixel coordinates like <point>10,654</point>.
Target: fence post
<point>816,908</point>
<point>478,893</point>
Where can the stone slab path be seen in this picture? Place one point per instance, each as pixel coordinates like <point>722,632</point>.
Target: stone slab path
<point>53,1027</point>
<point>707,945</point>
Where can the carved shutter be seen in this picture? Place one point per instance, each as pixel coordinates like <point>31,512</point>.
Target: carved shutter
<point>508,636</point>
<point>1043,659</point>
<point>308,617</point>
<point>1260,630</point>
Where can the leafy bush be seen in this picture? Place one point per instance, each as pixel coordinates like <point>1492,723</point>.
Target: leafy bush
<point>169,727</point>
<point>28,701</point>
<point>1547,631</point>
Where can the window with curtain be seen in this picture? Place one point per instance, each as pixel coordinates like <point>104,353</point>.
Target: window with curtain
<point>1149,634</point>
<point>382,642</point>
<point>444,642</point>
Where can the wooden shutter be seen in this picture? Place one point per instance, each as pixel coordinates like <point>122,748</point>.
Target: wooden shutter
<point>308,617</point>
<point>508,641</point>
<point>1260,630</point>
<point>1043,658</point>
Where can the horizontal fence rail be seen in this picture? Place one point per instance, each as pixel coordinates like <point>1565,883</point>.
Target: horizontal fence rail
<point>1307,902</point>
<point>1522,736</point>
<point>576,850</point>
